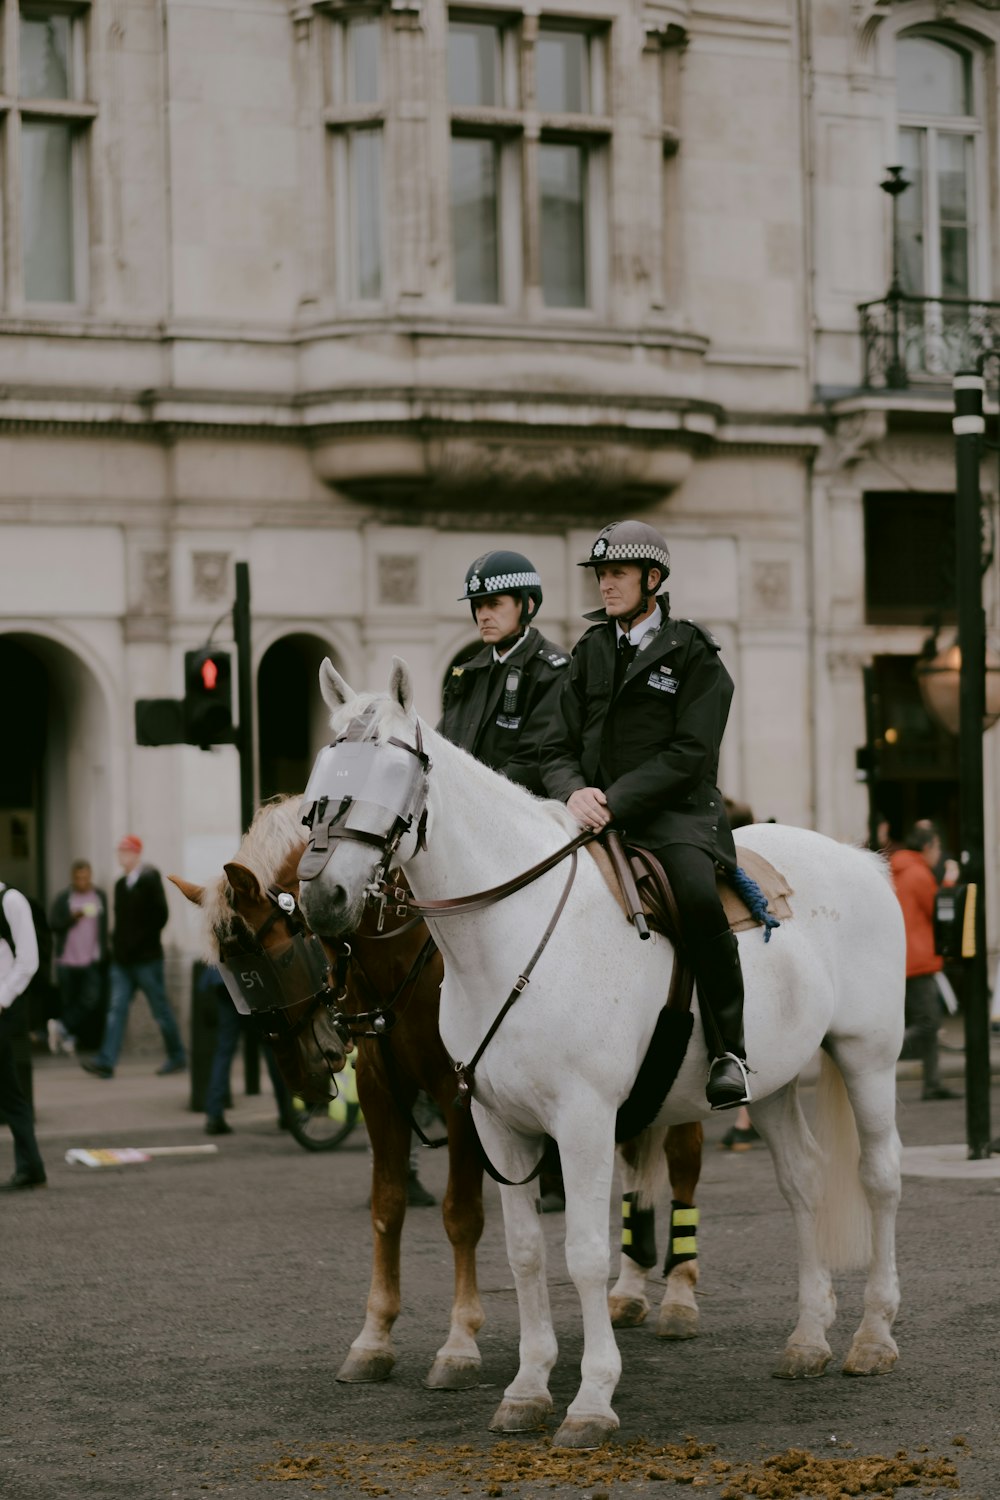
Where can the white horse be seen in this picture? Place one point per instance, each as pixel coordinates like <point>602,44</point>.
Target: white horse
<point>567,1052</point>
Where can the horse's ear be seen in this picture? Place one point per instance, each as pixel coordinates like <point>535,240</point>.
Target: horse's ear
<point>401,684</point>
<point>333,687</point>
<point>194,893</point>
<point>243,881</point>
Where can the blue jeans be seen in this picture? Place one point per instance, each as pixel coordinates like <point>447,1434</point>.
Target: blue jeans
<point>230,1031</point>
<point>125,980</point>
<point>80,993</point>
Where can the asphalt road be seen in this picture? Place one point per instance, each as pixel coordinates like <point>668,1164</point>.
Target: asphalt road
<point>172,1329</point>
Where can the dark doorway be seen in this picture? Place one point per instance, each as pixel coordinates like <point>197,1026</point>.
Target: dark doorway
<point>915,761</point>
<point>291,714</point>
<point>22,764</point>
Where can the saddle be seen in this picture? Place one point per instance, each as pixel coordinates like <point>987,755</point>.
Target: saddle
<point>639,884</point>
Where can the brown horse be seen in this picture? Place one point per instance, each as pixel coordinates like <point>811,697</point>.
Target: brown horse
<point>394,978</point>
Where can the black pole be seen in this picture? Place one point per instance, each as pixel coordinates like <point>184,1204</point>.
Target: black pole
<point>969,427</point>
<point>896,377</point>
<point>244,745</point>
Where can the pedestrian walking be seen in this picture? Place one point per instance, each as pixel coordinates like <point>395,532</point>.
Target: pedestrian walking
<point>137,962</point>
<point>916,886</point>
<point>79,924</point>
<point>229,1033</point>
<point>18,966</point>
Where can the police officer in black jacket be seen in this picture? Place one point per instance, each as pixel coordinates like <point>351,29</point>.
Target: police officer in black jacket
<point>499,706</point>
<point>641,718</point>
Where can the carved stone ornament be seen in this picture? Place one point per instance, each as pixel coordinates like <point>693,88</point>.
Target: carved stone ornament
<point>771,583</point>
<point>868,16</point>
<point>211,577</point>
<point>155,580</point>
<point>398,579</point>
<point>578,468</point>
<point>854,438</point>
<point>847,663</point>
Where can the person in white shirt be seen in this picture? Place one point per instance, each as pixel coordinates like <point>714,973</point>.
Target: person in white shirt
<point>18,966</point>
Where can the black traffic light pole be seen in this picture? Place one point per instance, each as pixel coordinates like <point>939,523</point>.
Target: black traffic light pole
<point>244,692</point>
<point>244,747</point>
<point>969,429</point>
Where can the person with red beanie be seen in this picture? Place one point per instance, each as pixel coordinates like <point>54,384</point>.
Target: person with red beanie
<point>137,962</point>
<point>916,887</point>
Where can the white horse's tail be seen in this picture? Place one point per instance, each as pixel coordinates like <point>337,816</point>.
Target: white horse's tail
<point>843,1223</point>
<point>649,1165</point>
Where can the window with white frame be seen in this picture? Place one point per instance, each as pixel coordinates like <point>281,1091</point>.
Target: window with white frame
<point>45,113</point>
<point>355,119</point>
<point>485,157</point>
<point>942,249</point>
<point>554,136</point>
<point>569,97</point>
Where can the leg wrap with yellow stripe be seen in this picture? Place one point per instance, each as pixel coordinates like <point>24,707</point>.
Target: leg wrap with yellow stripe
<point>638,1232</point>
<point>683,1235</point>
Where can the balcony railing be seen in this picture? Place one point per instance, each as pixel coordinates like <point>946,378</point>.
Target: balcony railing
<point>925,340</point>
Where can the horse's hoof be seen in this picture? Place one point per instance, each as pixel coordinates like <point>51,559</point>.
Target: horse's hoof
<point>452,1374</point>
<point>521,1416</point>
<point>584,1432</point>
<point>627,1312</point>
<point>804,1362</point>
<point>677,1322</point>
<point>870,1359</point>
<point>366,1365</point>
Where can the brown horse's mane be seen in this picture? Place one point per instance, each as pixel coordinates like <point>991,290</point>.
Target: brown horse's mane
<point>276,831</point>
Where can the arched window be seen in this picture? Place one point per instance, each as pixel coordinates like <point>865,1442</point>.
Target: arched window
<point>939,107</point>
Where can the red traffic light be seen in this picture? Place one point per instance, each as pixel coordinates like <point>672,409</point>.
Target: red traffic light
<point>208,687</point>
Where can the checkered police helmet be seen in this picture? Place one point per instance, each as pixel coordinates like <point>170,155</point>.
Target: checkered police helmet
<point>629,541</point>
<point>503,573</point>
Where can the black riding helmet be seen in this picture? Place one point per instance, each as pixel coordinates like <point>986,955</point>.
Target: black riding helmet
<point>504,573</point>
<point>632,542</point>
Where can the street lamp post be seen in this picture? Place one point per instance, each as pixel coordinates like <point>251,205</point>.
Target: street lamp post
<point>895,370</point>
<point>969,429</point>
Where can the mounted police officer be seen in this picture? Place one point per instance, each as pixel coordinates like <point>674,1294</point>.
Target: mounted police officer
<point>641,718</point>
<point>499,706</point>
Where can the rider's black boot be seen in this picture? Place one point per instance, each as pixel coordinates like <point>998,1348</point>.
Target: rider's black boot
<point>719,979</point>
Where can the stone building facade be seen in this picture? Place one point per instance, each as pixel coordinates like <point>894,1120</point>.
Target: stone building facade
<point>355,291</point>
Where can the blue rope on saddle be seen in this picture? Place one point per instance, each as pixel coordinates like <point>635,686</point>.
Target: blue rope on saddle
<point>753,897</point>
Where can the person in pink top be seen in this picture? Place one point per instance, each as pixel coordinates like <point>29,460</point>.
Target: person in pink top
<point>79,923</point>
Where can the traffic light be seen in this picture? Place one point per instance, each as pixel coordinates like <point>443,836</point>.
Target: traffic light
<point>159,721</point>
<point>208,697</point>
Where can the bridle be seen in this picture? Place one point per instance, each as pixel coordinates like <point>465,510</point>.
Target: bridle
<point>351,761</point>
<point>349,781</point>
<point>265,984</point>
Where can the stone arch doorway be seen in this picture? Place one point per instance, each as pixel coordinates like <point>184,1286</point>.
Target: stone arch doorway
<point>55,797</point>
<point>291,715</point>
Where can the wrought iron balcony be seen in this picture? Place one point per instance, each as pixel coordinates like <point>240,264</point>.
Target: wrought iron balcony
<point>925,340</point>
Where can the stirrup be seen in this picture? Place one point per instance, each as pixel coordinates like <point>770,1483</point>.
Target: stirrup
<point>745,1075</point>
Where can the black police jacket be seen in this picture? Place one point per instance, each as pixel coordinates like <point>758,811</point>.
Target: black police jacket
<point>140,916</point>
<point>652,746</point>
<point>502,712</point>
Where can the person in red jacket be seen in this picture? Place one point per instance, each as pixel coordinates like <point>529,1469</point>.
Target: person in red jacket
<point>916,886</point>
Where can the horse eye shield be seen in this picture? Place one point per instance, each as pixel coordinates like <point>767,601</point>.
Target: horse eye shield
<point>352,786</point>
<point>259,981</point>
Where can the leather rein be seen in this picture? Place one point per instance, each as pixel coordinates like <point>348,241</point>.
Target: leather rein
<point>325,832</point>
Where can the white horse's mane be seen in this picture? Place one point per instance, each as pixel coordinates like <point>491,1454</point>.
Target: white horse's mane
<point>388,718</point>
<point>275,831</point>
